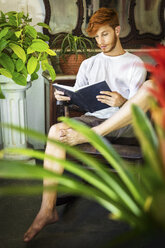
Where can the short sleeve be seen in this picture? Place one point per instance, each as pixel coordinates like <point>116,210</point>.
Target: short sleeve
<point>138,77</point>
<point>81,78</point>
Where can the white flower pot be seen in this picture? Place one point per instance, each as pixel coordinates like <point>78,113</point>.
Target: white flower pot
<point>13,111</point>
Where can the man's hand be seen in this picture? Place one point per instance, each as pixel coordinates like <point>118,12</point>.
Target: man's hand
<point>71,137</point>
<point>59,95</point>
<point>113,99</point>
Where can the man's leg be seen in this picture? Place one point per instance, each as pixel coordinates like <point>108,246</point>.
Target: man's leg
<point>47,213</point>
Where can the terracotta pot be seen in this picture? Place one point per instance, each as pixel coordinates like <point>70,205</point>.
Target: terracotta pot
<point>71,64</point>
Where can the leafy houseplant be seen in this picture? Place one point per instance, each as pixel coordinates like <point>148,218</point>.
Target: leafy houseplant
<point>73,50</point>
<point>137,202</point>
<point>22,48</point>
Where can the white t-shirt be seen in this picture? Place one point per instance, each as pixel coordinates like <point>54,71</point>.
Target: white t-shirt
<point>124,74</point>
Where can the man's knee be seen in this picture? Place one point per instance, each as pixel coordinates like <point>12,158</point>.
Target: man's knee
<point>148,84</point>
<point>54,131</point>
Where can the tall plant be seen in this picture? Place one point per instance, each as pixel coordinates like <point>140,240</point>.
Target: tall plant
<point>22,48</point>
<point>72,44</point>
<point>138,202</point>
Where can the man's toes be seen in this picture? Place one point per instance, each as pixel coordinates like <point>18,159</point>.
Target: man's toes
<point>30,234</point>
<point>26,237</point>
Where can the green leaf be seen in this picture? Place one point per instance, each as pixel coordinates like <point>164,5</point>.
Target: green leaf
<point>24,71</point>
<point>14,56</point>
<point>38,67</point>
<point>44,56</point>
<point>31,31</point>
<point>11,13</point>
<point>3,18</point>
<point>19,78</point>
<point>21,170</point>
<point>20,18</point>
<point>51,52</point>
<point>3,44</point>
<point>39,45</point>
<point>51,71</point>
<point>18,51</point>
<point>44,25</point>
<point>4,32</point>
<point>7,62</point>
<point>1,93</point>
<point>147,138</point>
<point>46,66</point>
<point>10,36</point>
<point>21,190</point>
<point>12,21</point>
<point>30,50</point>
<point>32,64</point>
<point>43,36</point>
<point>18,33</point>
<point>78,170</point>
<point>34,76</point>
<point>4,24</point>
<point>43,64</point>
<point>19,65</point>
<point>5,73</point>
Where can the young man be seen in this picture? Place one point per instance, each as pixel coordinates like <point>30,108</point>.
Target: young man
<point>124,74</point>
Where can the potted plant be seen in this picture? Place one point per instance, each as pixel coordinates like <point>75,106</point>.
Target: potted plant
<point>22,50</point>
<point>73,50</point>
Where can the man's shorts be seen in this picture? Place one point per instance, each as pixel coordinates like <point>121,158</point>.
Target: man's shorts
<point>93,121</point>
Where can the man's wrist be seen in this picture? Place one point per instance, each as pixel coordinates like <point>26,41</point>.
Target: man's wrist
<point>124,101</point>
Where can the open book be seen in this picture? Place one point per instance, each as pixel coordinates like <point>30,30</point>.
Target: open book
<point>85,97</point>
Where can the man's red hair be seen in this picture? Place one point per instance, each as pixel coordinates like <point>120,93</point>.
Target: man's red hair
<point>102,16</point>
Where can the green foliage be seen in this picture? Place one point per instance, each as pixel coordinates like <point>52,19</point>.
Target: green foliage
<point>22,47</point>
<point>134,194</point>
<point>71,44</point>
<point>148,140</point>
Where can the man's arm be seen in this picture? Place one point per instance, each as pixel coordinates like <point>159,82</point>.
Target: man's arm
<point>123,117</point>
<point>113,99</point>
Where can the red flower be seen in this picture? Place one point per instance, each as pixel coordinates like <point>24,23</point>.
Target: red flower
<point>158,76</point>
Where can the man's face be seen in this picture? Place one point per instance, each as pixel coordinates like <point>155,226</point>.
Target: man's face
<point>106,38</point>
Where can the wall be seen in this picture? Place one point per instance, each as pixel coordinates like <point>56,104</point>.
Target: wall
<point>35,95</point>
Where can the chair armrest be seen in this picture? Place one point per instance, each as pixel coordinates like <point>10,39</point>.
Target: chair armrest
<point>70,110</point>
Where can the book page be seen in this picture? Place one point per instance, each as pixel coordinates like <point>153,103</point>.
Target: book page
<point>64,87</point>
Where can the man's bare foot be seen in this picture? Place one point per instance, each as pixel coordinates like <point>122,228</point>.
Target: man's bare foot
<point>42,219</point>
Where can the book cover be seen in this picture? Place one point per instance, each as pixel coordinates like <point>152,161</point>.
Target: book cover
<point>85,97</point>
